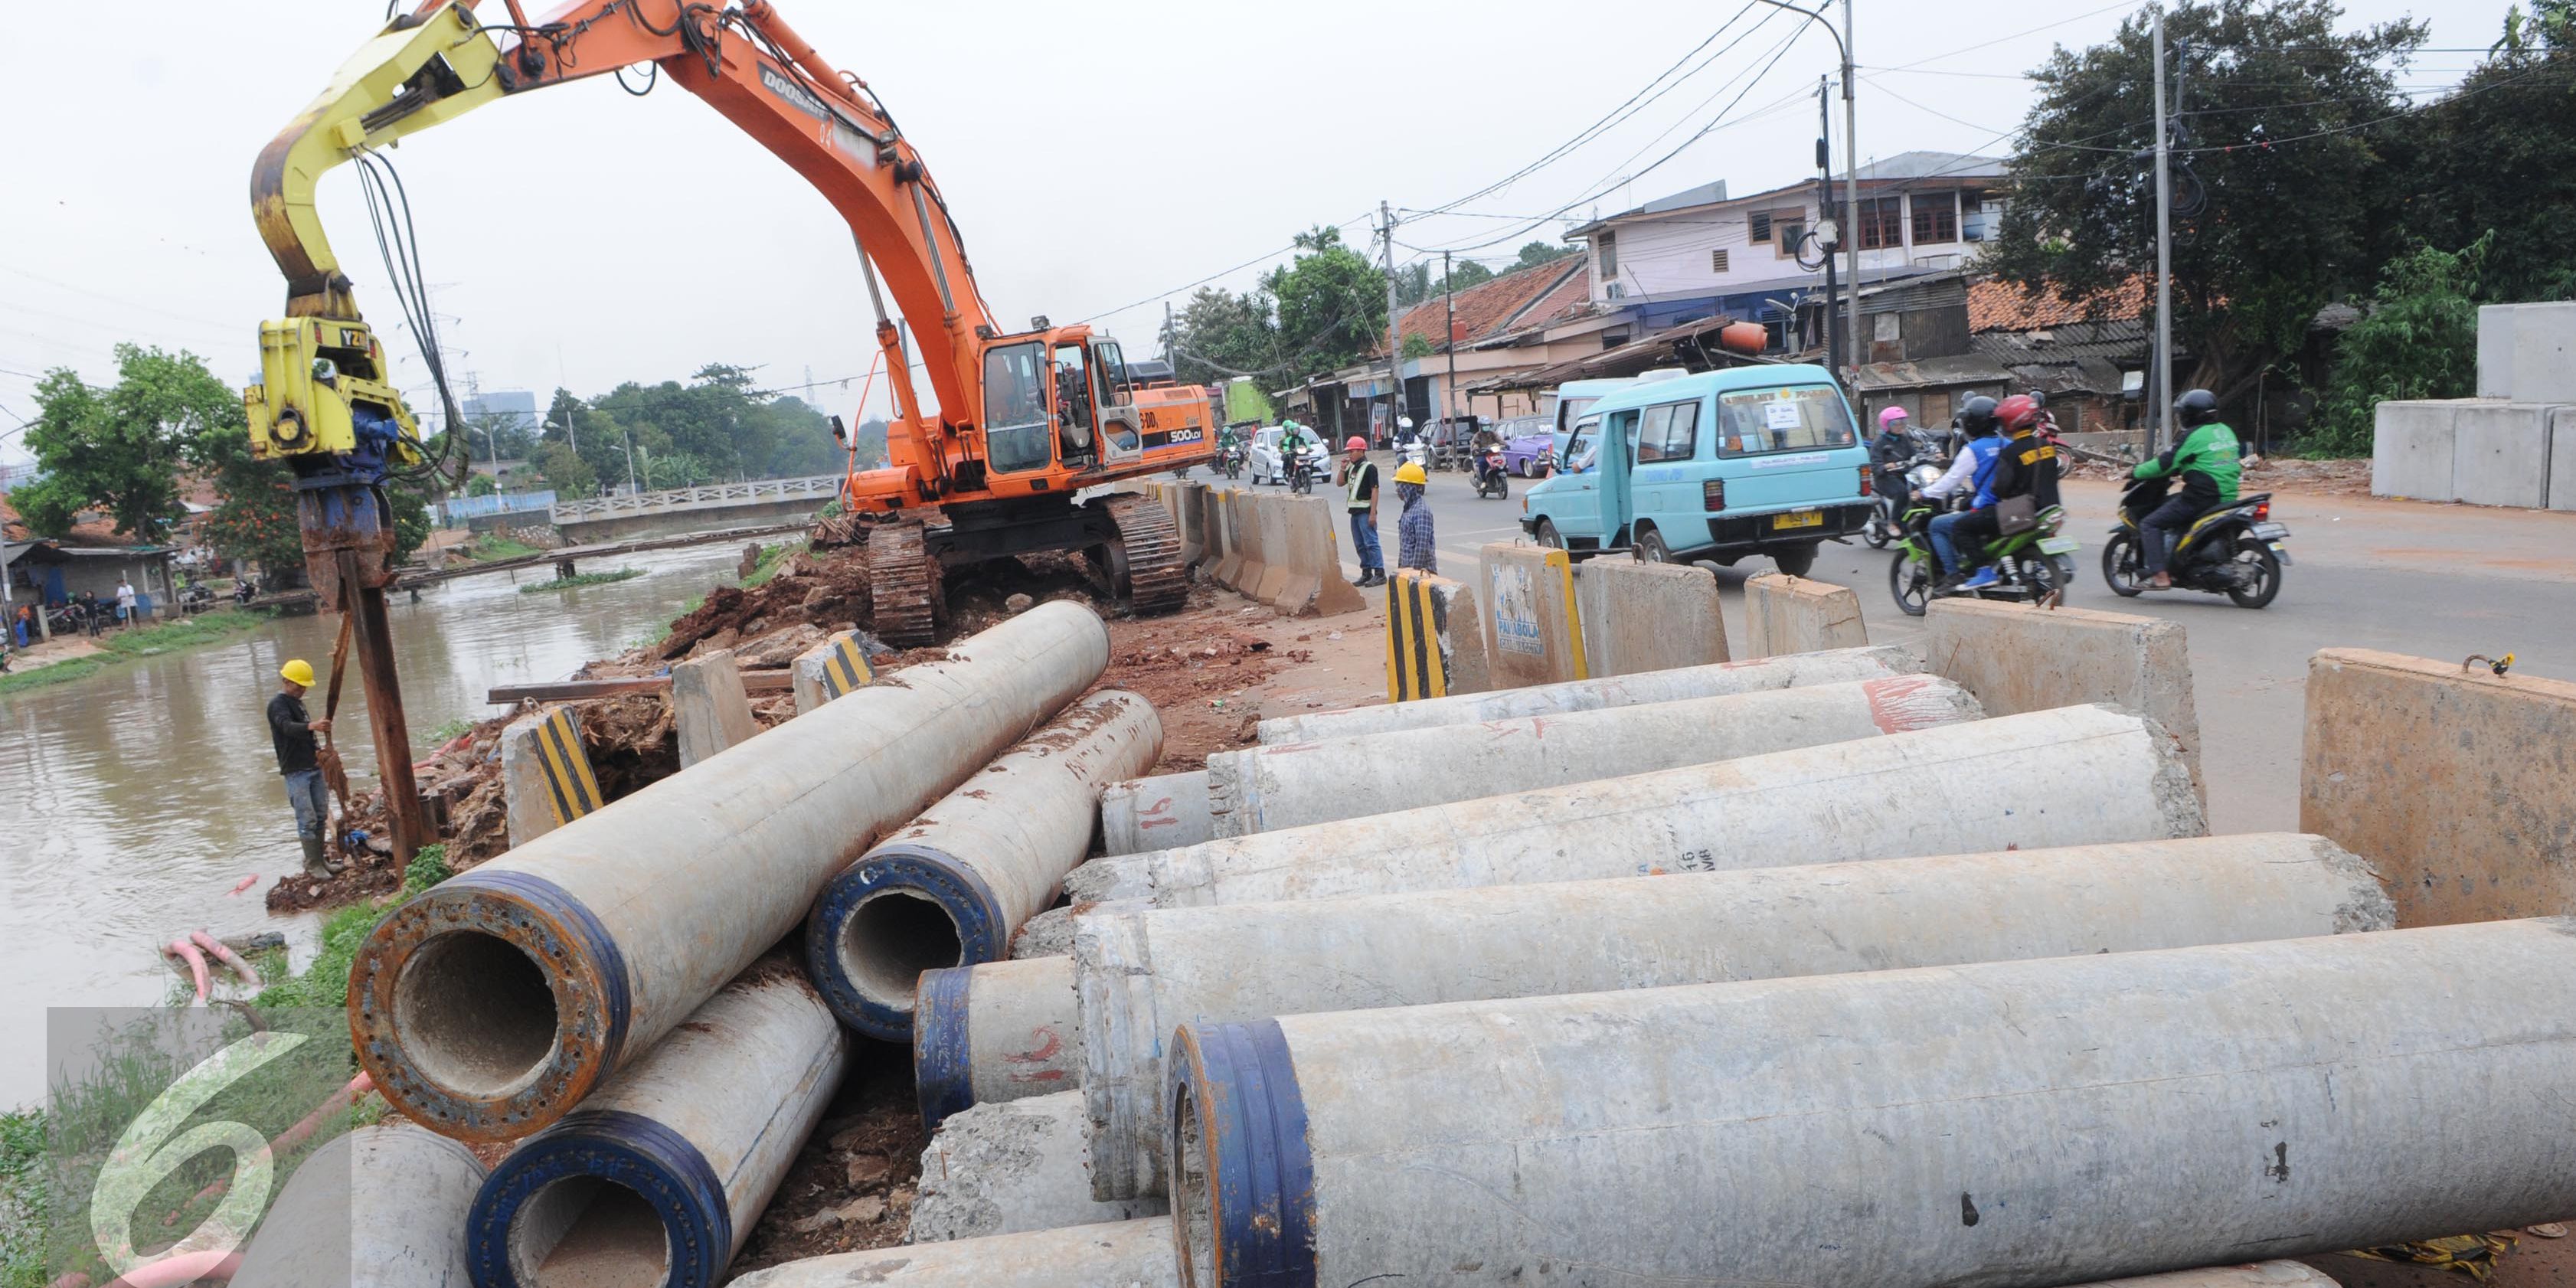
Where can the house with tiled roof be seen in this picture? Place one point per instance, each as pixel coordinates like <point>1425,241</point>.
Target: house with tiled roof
<point>1701,253</point>
<point>2089,354</point>
<point>1525,319</point>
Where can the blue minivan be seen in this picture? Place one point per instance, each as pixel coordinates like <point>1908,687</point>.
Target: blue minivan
<point>1717,465</point>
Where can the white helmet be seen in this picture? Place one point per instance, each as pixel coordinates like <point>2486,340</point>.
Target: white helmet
<point>1404,422</point>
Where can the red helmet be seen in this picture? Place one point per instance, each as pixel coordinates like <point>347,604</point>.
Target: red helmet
<point>2016,413</point>
<point>1357,444</point>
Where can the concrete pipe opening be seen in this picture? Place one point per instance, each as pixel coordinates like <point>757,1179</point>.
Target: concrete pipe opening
<point>586,1232</point>
<point>890,939</point>
<point>1193,1220</point>
<point>475,1013</point>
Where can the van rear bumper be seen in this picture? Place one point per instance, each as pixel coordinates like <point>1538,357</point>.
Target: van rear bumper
<point>1755,531</point>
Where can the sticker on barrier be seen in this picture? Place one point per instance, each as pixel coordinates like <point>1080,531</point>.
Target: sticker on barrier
<point>1415,619</point>
<point>845,667</point>
<point>571,790</point>
<point>1516,624</point>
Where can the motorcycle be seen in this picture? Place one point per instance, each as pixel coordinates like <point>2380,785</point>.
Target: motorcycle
<point>1301,473</point>
<point>244,590</point>
<point>1886,506</point>
<point>2232,549</point>
<point>1493,483</point>
<point>2034,566</point>
<point>196,597</point>
<point>1229,460</point>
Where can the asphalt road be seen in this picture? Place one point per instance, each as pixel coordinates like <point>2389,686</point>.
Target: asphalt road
<point>2440,581</point>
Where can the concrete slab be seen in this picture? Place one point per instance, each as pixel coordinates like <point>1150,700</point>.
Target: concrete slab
<point>1647,617</point>
<point>2459,786</point>
<point>2017,658</point>
<point>1013,1166</point>
<point>2413,448</point>
<point>713,712</point>
<point>2562,458</point>
<point>1785,614</point>
<point>2527,352</point>
<point>2500,453</point>
<point>1532,634</point>
<point>546,779</point>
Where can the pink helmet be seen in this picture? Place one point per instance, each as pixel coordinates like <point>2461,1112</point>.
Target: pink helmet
<point>1890,417</point>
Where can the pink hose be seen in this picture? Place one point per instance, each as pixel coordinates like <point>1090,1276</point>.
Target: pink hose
<point>244,884</point>
<point>185,1268</point>
<point>187,952</point>
<point>223,952</point>
<point>332,1104</point>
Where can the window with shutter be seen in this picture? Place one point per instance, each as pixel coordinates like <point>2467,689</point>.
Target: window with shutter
<point>1761,226</point>
<point>1717,261</point>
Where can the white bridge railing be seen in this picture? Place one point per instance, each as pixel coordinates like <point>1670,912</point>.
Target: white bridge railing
<point>818,489</point>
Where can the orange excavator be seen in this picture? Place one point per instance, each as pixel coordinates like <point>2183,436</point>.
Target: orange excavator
<point>1023,419</point>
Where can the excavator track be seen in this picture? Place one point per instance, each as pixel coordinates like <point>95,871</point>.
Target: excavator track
<point>1156,581</point>
<point>903,584</point>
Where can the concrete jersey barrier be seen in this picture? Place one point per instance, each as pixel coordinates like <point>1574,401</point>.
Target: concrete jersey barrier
<point>2018,658</point>
<point>1647,616</point>
<point>1785,614</point>
<point>1435,642</point>
<point>1532,632</point>
<point>2457,784</point>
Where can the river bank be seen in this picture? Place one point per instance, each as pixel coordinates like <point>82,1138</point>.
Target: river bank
<point>115,646</point>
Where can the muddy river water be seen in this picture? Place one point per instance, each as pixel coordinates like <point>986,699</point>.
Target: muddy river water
<point>132,800</point>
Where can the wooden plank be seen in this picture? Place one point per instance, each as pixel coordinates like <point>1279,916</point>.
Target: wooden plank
<point>764,681</point>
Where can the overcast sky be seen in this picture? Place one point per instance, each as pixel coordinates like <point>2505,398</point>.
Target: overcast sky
<point>1099,157</point>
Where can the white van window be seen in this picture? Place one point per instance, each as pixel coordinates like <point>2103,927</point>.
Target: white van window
<point>1569,411</point>
<point>1797,418</point>
<point>1580,449</point>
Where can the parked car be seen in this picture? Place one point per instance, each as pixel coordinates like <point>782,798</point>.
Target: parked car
<point>1529,450</point>
<point>1717,465</point>
<point>1267,467</point>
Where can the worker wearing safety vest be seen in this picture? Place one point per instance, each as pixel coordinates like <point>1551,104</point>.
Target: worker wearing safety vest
<point>1358,479</point>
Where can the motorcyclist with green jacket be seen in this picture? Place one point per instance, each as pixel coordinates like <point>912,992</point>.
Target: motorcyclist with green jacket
<point>2208,461</point>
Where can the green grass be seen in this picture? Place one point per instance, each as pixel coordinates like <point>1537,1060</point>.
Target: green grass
<point>22,1199</point>
<point>119,647</point>
<point>447,733</point>
<point>489,549</point>
<point>772,558</point>
<point>428,868</point>
<point>582,579</point>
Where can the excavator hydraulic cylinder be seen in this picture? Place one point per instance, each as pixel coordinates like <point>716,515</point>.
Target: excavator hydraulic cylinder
<point>951,888</point>
<point>2009,1124</point>
<point>491,1005</point>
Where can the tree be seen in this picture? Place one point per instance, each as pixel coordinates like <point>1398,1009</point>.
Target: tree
<point>2418,339</point>
<point>1415,346</point>
<point>566,472</point>
<point>1536,253</point>
<point>2279,108</point>
<point>120,449</point>
<point>1332,304</point>
<point>2496,154</point>
<point>1224,334</point>
<point>1469,273</point>
<point>481,485</point>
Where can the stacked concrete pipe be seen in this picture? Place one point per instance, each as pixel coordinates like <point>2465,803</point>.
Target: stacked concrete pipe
<point>951,888</point>
<point>1292,784</point>
<point>1013,1166</point>
<point>2072,776</point>
<point>2011,1124</point>
<point>1139,974</point>
<point>1833,666</point>
<point>382,1205</point>
<point>658,1177</point>
<point>999,1031</point>
<point>491,1005</point>
<point>1171,810</point>
<point>1121,1254</point>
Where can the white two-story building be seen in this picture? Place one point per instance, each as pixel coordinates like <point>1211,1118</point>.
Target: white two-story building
<point>1701,253</point>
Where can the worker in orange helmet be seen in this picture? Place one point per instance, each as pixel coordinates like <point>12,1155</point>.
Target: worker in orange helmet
<point>1358,480</point>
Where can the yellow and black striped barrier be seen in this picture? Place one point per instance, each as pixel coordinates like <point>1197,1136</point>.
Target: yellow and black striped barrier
<point>831,669</point>
<point>572,791</point>
<point>1415,620</point>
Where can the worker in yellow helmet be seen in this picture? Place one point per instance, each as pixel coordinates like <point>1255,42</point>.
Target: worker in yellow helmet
<point>291,730</point>
<point>1413,546</point>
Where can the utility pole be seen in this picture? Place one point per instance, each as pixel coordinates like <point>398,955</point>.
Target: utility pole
<point>1394,341</point>
<point>631,488</point>
<point>1851,189</point>
<point>2164,254</point>
<point>1824,205</point>
<point>1449,342</point>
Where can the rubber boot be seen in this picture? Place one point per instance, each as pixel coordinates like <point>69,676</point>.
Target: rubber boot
<point>316,864</point>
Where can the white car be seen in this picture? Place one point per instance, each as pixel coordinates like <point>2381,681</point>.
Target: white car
<point>1263,457</point>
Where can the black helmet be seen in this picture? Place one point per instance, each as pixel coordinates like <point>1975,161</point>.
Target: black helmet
<point>1977,416</point>
<point>2195,408</point>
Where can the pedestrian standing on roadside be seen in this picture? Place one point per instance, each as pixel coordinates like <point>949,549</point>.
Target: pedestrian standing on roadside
<point>1413,543</point>
<point>1358,480</point>
<point>124,602</point>
<point>291,731</point>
